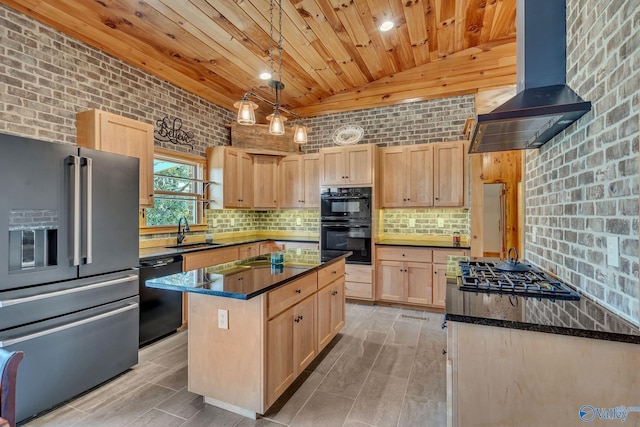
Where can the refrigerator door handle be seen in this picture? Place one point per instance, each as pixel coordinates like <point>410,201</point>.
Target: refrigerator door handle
<point>89,210</point>
<point>16,301</point>
<point>12,341</point>
<point>75,162</point>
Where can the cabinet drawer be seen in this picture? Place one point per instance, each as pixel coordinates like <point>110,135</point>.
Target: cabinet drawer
<point>440,256</point>
<point>330,273</point>
<point>403,253</point>
<point>359,273</point>
<point>287,295</point>
<point>248,251</point>
<point>359,290</point>
<point>208,258</point>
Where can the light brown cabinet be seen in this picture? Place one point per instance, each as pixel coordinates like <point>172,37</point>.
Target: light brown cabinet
<point>404,275</point>
<point>291,345</point>
<point>249,250</point>
<point>330,311</point>
<point>231,171</point>
<point>298,181</point>
<point>359,282</point>
<point>449,174</point>
<point>105,131</point>
<point>407,176</point>
<point>423,175</point>
<point>351,165</point>
<point>265,182</point>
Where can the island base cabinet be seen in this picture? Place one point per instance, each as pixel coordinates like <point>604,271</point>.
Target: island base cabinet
<point>535,378</point>
<point>227,364</point>
<point>291,346</point>
<point>330,312</point>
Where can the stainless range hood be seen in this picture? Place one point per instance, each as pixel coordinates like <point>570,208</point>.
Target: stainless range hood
<point>544,105</point>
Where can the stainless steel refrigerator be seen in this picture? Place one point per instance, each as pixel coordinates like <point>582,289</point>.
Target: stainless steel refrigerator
<point>68,289</point>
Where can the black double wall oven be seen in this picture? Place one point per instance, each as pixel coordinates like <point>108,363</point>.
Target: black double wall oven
<point>345,222</point>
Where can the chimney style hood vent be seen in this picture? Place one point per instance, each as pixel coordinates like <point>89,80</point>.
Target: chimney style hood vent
<point>544,105</point>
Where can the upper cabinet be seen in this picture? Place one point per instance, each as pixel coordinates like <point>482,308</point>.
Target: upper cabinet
<point>265,182</point>
<point>298,185</point>
<point>105,131</point>
<point>347,166</point>
<point>231,171</point>
<point>423,175</point>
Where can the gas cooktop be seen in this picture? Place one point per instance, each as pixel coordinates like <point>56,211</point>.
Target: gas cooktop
<point>481,276</point>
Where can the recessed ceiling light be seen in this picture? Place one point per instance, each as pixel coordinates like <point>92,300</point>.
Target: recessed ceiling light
<point>386,26</point>
<point>265,76</point>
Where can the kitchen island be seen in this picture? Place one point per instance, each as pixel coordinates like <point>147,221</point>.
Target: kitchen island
<point>254,326</point>
<point>515,360</point>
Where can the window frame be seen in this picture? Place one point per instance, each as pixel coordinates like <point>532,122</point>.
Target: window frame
<point>201,168</point>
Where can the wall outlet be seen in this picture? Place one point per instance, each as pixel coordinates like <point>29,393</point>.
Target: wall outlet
<point>613,252</point>
<point>223,319</point>
<point>298,221</point>
<point>233,221</point>
<point>440,222</point>
<point>412,222</point>
<point>534,235</point>
<point>213,222</point>
<point>298,251</point>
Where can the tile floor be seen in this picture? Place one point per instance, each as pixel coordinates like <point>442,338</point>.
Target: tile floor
<point>385,368</point>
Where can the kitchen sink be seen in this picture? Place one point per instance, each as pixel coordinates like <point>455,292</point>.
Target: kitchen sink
<point>194,246</point>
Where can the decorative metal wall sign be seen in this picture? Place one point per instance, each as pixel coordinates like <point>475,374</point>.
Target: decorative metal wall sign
<point>171,131</point>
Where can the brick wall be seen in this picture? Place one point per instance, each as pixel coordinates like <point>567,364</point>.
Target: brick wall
<point>47,77</point>
<point>436,120</point>
<point>396,221</point>
<point>582,187</point>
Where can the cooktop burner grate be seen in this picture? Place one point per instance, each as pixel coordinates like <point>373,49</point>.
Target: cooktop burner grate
<point>481,276</point>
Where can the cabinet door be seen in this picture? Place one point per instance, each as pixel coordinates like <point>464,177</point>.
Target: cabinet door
<point>289,182</point>
<point>394,172</point>
<point>280,367</point>
<point>305,345</point>
<point>324,316</point>
<point>245,180</point>
<point>231,173</point>
<point>359,164</point>
<point>248,251</point>
<point>311,172</point>
<point>116,134</point>
<point>439,284</point>
<point>332,166</point>
<point>448,174</point>
<point>337,306</point>
<point>265,182</point>
<point>419,166</point>
<point>390,281</point>
<point>419,283</point>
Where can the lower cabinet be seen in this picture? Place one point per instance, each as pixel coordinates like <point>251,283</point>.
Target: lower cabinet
<point>291,345</point>
<point>330,312</point>
<point>359,282</point>
<point>413,275</point>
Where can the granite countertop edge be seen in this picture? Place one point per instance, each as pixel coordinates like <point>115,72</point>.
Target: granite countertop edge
<point>162,251</point>
<point>421,244</point>
<point>254,294</point>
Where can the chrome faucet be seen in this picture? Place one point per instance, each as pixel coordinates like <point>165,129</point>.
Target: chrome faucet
<point>181,235</point>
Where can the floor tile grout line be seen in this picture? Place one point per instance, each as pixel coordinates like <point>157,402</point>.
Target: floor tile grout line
<point>169,413</point>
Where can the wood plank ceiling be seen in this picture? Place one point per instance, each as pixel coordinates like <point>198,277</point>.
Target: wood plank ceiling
<point>335,58</point>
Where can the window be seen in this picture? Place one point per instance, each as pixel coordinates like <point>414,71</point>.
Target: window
<point>178,189</point>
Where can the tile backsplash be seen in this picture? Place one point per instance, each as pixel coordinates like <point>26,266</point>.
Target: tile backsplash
<point>398,221</point>
<point>232,220</point>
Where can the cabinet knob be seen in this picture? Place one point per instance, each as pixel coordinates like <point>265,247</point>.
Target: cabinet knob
<point>302,201</point>
<point>334,293</point>
<point>404,200</point>
<point>436,198</point>
<point>402,254</point>
<point>334,272</point>
<point>408,200</point>
<point>435,272</point>
<point>444,351</point>
<point>297,319</point>
<point>298,291</point>
<point>150,195</point>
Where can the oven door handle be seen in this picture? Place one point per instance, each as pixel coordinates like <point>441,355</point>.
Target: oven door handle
<point>345,197</point>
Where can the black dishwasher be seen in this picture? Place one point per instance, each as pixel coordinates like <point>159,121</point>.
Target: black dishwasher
<point>160,310</point>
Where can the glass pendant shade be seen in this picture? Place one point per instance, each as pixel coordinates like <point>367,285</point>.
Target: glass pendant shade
<point>276,125</point>
<point>246,116</point>
<point>300,134</point>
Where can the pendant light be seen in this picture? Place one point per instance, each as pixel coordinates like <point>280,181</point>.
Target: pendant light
<point>246,107</point>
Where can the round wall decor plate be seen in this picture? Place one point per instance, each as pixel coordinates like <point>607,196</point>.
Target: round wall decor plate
<point>347,135</point>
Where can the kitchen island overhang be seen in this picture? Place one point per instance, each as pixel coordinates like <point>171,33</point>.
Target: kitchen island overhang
<point>254,327</point>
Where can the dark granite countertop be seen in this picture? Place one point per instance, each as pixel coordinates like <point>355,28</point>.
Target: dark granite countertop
<point>584,318</point>
<point>247,278</point>
<point>161,251</point>
<point>426,242</point>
